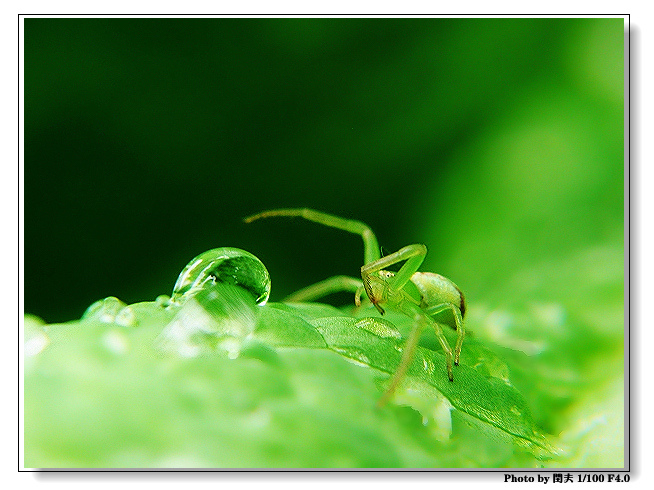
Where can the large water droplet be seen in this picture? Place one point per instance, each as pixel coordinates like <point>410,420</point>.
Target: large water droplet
<point>223,265</point>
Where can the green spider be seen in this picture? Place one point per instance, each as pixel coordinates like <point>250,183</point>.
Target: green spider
<point>419,295</point>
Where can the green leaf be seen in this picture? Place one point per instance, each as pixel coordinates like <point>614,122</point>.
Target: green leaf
<point>282,328</point>
<point>101,394</point>
<point>488,399</point>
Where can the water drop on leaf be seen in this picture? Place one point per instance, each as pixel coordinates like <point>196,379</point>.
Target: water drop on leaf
<point>162,300</point>
<point>104,310</point>
<point>111,310</point>
<point>126,317</point>
<point>223,265</point>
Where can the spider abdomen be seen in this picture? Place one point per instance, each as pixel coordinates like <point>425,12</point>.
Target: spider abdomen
<point>436,289</point>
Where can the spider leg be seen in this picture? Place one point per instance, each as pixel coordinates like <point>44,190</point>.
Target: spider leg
<point>458,319</point>
<point>371,246</point>
<point>420,316</point>
<point>407,355</point>
<point>420,321</point>
<point>331,285</point>
<point>413,255</point>
<point>446,348</point>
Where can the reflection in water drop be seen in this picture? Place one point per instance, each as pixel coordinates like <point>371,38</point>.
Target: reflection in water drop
<point>227,266</point>
<point>217,317</point>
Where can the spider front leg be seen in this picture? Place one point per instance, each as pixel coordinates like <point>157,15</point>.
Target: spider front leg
<point>370,244</point>
<point>320,289</point>
<point>338,283</point>
<point>384,287</point>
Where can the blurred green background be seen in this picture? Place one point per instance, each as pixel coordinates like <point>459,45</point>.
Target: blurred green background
<point>499,143</point>
<point>147,141</point>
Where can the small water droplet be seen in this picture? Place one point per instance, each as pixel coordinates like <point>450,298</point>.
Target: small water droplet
<point>231,345</point>
<point>35,335</point>
<point>104,310</point>
<point>163,300</point>
<point>379,327</point>
<point>223,265</point>
<point>428,366</point>
<point>111,310</point>
<point>126,317</point>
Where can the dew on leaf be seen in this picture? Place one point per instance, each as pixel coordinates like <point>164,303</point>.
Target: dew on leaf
<point>379,327</point>
<point>223,265</point>
<point>111,310</point>
<point>126,317</point>
<point>104,310</point>
<point>163,300</point>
